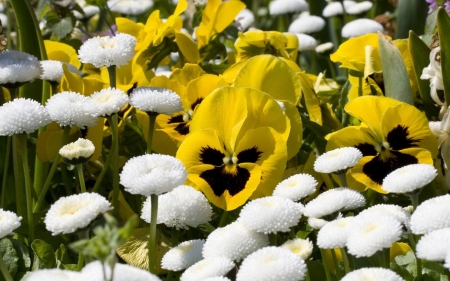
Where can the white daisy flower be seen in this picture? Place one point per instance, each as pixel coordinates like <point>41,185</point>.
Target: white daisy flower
<point>369,234</point>
<point>108,101</point>
<point>333,201</point>
<point>18,67</point>
<point>433,72</point>
<point>55,275</point>
<point>431,214</point>
<point>70,108</point>
<point>272,263</point>
<point>447,260</point>
<point>108,51</point>
<point>70,213</point>
<point>8,222</point>
<point>94,271</point>
<point>270,214</point>
<point>296,187</point>
<point>434,246</point>
<point>360,27</point>
<point>130,7</point>
<point>337,160</point>
<point>52,70</point>
<point>216,278</point>
<point>77,152</point>
<point>234,241</point>
<point>324,48</point>
<point>208,267</point>
<point>307,24</point>
<point>333,9</point>
<point>152,174</point>
<point>281,7</point>
<point>316,223</point>
<point>244,19</point>
<point>399,213</point>
<point>156,100</point>
<point>372,273</point>
<point>359,8</point>
<point>306,42</point>
<point>334,234</point>
<point>183,255</point>
<point>300,247</point>
<point>182,207</point>
<point>88,10</point>
<point>409,178</point>
<point>22,116</point>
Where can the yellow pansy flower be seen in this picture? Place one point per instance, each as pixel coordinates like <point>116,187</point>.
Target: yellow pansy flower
<point>236,149</point>
<point>62,52</point>
<point>216,16</point>
<point>392,134</point>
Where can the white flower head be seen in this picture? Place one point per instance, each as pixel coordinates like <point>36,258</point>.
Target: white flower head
<point>244,19</point>
<point>183,256</point>
<point>8,222</point>
<point>94,271</point>
<point>369,234</point>
<point>77,152</point>
<point>397,212</point>
<point>22,116</point>
<point>152,174</point>
<point>307,24</point>
<point>70,108</point>
<point>156,100</point>
<point>296,187</point>
<point>108,101</point>
<point>216,278</point>
<point>180,208</point>
<point>130,7</point>
<point>108,51</point>
<point>372,273</point>
<point>300,247</point>
<point>434,245</point>
<point>316,223</point>
<point>18,67</point>
<point>433,72</point>
<point>324,48</point>
<point>333,201</point>
<point>409,178</point>
<point>272,263</point>
<point>70,213</point>
<point>270,214</point>
<point>55,275</point>
<point>431,214</point>
<point>360,27</point>
<point>281,7</point>
<point>359,8</point>
<point>88,10</point>
<point>208,267</point>
<point>337,160</point>
<point>334,234</point>
<point>447,260</point>
<point>333,9</point>
<point>306,42</point>
<point>234,241</point>
<point>52,70</point>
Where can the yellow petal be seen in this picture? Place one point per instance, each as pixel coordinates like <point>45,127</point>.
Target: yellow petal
<point>181,7</point>
<point>141,74</point>
<point>61,52</point>
<point>199,88</point>
<point>398,249</point>
<point>128,26</point>
<point>226,13</point>
<point>311,100</point>
<point>294,141</point>
<point>187,47</point>
<point>95,135</point>
<point>278,79</point>
<point>230,74</point>
<point>187,73</point>
<point>71,82</point>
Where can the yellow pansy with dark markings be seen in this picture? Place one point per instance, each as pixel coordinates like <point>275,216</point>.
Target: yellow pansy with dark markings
<point>392,135</point>
<point>236,148</point>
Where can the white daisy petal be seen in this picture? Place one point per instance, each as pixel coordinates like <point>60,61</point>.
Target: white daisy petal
<point>52,70</point>
<point>431,214</point>
<point>434,245</point>
<point>399,213</point>
<point>336,160</point>
<point>77,152</point>
<point>300,247</point>
<point>306,42</point>
<point>373,273</point>
<point>334,234</point>
<point>156,100</point>
<point>361,27</point>
<point>8,222</point>
<point>108,101</point>
<point>359,8</point>
<point>18,67</point>
<point>130,7</point>
<point>55,275</point>
<point>93,271</point>
<point>307,24</point>
<point>296,187</point>
<point>281,7</point>
<point>209,267</point>
<point>409,178</point>
<point>183,255</point>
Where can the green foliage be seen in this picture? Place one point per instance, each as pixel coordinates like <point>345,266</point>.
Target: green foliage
<point>443,23</point>
<point>9,256</point>
<point>44,255</point>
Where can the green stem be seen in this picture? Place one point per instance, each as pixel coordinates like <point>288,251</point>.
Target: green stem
<point>65,178</point>
<point>414,199</point>
<point>115,162</point>
<point>383,258</point>
<point>346,261</point>
<point>5,270</point>
<point>325,265</point>
<point>223,219</point>
<point>360,86</point>
<point>80,262</point>
<point>273,239</point>
<point>5,170</point>
<point>46,186</point>
<point>28,186</point>
<point>332,69</point>
<point>104,169</point>
<point>152,237</point>
<point>18,178</point>
<point>412,241</point>
<point>175,237</point>
<point>151,128</point>
<point>336,264</point>
<point>342,176</point>
<point>112,76</point>
<point>81,177</point>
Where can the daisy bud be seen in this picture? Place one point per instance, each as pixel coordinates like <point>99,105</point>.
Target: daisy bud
<point>77,152</point>
<point>300,247</point>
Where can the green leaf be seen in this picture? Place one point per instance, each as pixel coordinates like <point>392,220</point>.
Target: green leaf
<point>60,26</point>
<point>44,253</point>
<point>406,259</point>
<point>420,54</point>
<point>396,80</point>
<point>9,256</point>
<point>400,270</point>
<point>443,22</point>
<point>405,22</point>
<point>316,270</point>
<point>62,255</point>
<point>23,254</point>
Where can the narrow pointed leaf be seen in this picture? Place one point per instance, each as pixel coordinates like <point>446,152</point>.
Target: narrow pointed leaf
<point>443,22</point>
